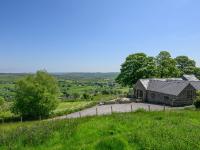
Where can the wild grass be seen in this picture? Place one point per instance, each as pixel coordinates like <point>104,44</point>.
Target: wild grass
<point>69,107</point>
<point>170,130</point>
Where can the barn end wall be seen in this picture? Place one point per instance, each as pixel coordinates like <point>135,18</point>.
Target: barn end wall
<point>139,86</point>
<point>182,99</point>
<point>159,98</point>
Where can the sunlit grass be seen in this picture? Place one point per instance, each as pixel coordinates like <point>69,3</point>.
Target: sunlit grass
<point>170,130</point>
<point>72,105</point>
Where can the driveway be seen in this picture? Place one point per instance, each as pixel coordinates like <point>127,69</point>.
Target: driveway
<point>108,109</point>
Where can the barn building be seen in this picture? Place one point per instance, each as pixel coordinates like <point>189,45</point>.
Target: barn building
<point>171,91</point>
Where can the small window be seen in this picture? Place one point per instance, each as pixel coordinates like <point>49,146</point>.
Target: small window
<point>141,94</point>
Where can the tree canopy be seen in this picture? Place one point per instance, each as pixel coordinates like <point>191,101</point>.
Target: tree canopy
<point>139,65</point>
<point>166,65</point>
<point>186,65</point>
<point>136,66</point>
<point>36,95</point>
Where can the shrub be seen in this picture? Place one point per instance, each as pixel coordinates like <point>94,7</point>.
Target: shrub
<point>197,100</point>
<point>197,104</point>
<point>105,92</point>
<point>75,95</point>
<point>36,95</point>
<point>86,96</point>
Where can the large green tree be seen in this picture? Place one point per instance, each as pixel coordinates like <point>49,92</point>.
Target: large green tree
<point>197,72</point>
<point>166,65</point>
<point>135,67</point>
<point>185,65</point>
<point>36,95</point>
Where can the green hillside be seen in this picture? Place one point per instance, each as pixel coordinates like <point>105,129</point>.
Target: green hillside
<point>139,130</point>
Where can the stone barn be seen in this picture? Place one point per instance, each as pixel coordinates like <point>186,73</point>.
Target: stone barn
<point>172,91</point>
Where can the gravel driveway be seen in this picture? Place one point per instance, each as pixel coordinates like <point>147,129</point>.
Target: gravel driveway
<point>107,109</point>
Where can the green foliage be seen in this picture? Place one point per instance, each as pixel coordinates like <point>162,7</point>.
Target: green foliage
<point>197,72</point>
<point>105,92</point>
<point>72,87</point>
<point>36,95</point>
<point>186,65</point>
<point>135,67</point>
<point>197,100</point>
<point>139,65</point>
<point>166,65</point>
<point>86,96</point>
<point>1,101</point>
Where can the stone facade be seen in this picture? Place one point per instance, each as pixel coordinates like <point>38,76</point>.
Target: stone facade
<point>186,96</point>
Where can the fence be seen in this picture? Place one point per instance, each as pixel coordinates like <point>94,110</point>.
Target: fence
<point>108,109</point>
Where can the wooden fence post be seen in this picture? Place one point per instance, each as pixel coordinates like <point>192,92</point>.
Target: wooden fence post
<point>164,108</point>
<point>21,119</point>
<point>111,109</point>
<point>96,111</point>
<point>79,114</point>
<point>131,107</point>
<point>149,107</point>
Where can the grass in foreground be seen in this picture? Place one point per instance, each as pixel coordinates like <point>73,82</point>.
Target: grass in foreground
<point>129,131</point>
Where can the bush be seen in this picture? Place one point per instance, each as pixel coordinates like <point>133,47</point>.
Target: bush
<point>105,92</point>
<point>75,95</point>
<point>197,104</point>
<point>197,100</point>
<point>36,95</point>
<point>86,96</point>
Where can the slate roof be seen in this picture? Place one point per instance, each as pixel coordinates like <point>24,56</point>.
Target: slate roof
<point>171,86</point>
<point>190,77</point>
<point>196,84</point>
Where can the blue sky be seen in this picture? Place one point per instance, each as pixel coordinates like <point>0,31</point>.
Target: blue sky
<point>93,35</point>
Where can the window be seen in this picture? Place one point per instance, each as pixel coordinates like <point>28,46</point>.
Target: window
<point>141,94</point>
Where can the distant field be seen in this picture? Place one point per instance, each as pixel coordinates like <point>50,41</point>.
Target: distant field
<point>129,131</point>
<point>78,90</point>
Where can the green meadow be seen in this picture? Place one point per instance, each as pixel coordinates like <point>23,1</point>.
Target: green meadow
<point>170,130</point>
<point>77,91</point>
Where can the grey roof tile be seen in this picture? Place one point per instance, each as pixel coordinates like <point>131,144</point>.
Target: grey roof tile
<point>167,87</point>
<point>196,84</point>
<point>171,86</point>
<point>190,77</point>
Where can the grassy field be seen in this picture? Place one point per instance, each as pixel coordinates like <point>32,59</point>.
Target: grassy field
<point>63,108</point>
<point>78,91</point>
<point>129,131</point>
<point>69,107</point>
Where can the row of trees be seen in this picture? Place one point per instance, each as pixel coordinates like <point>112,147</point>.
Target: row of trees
<point>140,65</point>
